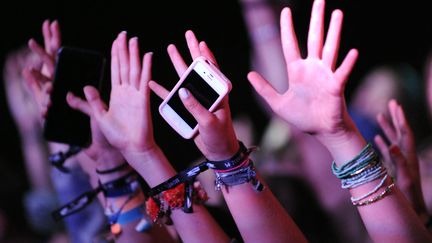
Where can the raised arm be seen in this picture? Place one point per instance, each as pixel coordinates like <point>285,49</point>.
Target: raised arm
<point>315,103</point>
<point>127,125</point>
<point>255,212</point>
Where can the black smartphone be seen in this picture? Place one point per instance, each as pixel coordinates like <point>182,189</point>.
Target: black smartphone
<point>75,68</point>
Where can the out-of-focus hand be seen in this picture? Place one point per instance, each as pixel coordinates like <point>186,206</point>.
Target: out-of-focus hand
<point>216,137</point>
<point>21,103</point>
<point>40,75</point>
<point>401,154</point>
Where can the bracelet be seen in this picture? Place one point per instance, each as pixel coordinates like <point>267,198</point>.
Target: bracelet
<point>352,167</point>
<point>125,185</point>
<point>237,159</point>
<point>376,198</point>
<point>375,189</point>
<point>159,206</point>
<point>242,175</point>
<point>117,168</point>
<point>122,186</point>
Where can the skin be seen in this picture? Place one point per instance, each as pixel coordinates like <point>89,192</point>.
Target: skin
<point>316,85</point>
<point>217,140</point>
<point>133,136</point>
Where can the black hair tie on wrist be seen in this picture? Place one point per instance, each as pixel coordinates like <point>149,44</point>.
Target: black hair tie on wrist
<point>58,159</point>
<point>112,170</point>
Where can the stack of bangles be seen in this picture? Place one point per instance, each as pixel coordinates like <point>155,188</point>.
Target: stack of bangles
<point>181,191</point>
<point>364,168</point>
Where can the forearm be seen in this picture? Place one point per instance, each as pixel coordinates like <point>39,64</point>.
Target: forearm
<point>259,216</point>
<point>198,226</point>
<point>107,160</point>
<point>262,25</point>
<point>36,159</point>
<point>388,219</point>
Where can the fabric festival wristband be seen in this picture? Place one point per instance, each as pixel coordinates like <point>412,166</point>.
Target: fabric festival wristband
<point>187,175</point>
<point>123,186</point>
<point>234,161</point>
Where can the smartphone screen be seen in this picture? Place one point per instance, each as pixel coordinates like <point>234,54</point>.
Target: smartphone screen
<point>200,89</point>
<point>75,68</point>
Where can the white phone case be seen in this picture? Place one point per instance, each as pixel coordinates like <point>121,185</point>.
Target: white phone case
<point>210,74</point>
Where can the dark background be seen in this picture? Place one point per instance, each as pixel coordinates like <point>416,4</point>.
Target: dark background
<point>383,31</point>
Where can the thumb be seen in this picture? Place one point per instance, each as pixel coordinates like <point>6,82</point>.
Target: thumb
<point>199,112</point>
<point>78,104</point>
<point>95,102</point>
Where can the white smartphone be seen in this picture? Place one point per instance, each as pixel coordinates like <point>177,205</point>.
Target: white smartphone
<point>206,83</point>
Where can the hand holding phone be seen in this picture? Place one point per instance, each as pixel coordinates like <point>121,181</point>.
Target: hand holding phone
<point>206,83</point>
<point>75,68</point>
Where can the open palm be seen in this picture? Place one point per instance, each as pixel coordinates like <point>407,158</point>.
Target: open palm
<point>127,122</point>
<point>314,101</point>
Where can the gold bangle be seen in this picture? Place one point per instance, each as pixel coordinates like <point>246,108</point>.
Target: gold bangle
<point>376,198</point>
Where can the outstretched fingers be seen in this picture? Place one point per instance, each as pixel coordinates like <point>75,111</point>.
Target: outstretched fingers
<point>115,64</point>
<point>193,44</point>
<point>46,32</point>
<point>331,46</point>
<point>177,60</point>
<point>158,89</point>
<point>55,41</point>
<point>205,51</point>
<point>288,37</point>
<point>123,55</point>
<point>146,71</point>
<point>135,63</point>
<point>316,30</point>
<point>263,88</point>
<point>344,70</point>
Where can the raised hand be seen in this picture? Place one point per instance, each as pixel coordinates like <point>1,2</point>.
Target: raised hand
<point>127,122</point>
<point>401,154</point>
<point>216,138</point>
<point>40,74</point>
<point>314,101</point>
<point>100,149</point>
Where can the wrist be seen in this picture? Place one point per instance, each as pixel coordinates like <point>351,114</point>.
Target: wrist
<point>151,164</point>
<point>223,154</point>
<point>343,144</point>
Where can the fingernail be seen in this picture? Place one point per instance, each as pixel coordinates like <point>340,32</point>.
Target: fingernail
<point>183,93</point>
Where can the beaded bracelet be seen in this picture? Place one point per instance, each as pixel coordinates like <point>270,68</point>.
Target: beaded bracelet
<point>376,198</point>
<point>375,189</point>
